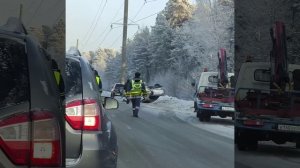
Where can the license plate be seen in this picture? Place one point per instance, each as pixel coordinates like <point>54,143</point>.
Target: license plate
<point>291,128</point>
<point>228,108</point>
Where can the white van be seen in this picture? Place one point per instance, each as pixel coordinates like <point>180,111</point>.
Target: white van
<point>210,100</point>
<point>262,113</point>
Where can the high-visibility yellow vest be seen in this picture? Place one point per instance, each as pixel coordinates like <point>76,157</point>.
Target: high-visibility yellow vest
<point>136,88</point>
<point>98,80</point>
<point>57,77</point>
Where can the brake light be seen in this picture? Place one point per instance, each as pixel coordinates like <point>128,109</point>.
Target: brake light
<point>253,123</point>
<point>85,116</point>
<point>74,115</point>
<point>207,105</point>
<point>40,147</point>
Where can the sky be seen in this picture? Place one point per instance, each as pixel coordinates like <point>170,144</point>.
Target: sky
<point>94,31</point>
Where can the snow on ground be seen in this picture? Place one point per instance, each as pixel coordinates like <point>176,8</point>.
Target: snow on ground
<point>184,110</point>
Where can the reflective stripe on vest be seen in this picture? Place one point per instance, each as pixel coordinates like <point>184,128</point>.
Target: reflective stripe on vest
<point>97,80</point>
<point>136,87</point>
<point>57,77</point>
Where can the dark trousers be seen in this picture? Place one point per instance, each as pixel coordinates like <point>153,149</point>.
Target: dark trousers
<point>135,105</point>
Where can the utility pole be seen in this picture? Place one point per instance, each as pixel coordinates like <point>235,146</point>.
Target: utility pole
<point>124,60</point>
<point>21,11</point>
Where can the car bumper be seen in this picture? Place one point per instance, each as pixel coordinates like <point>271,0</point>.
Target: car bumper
<point>216,109</point>
<point>268,131</point>
<point>97,151</point>
<point>93,158</point>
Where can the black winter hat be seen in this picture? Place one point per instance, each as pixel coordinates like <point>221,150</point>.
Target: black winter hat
<point>137,75</point>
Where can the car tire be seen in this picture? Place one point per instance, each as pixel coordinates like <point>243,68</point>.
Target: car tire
<point>240,141</point>
<point>252,144</point>
<point>200,116</point>
<point>245,142</point>
<point>207,118</point>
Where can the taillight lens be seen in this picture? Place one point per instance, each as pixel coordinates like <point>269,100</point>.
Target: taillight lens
<point>253,123</point>
<point>74,114</point>
<point>15,138</point>
<point>40,147</point>
<point>85,116</point>
<point>207,105</point>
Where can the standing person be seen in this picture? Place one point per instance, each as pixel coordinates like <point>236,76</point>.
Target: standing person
<point>135,89</point>
<point>98,80</point>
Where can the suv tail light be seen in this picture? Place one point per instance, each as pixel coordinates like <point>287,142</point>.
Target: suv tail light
<point>84,116</point>
<point>40,147</point>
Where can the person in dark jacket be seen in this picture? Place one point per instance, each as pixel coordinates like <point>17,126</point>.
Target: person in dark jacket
<point>135,89</point>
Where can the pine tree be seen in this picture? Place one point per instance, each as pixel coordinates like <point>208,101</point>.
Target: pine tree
<point>177,12</point>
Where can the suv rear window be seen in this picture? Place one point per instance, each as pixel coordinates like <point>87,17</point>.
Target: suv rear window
<point>73,77</point>
<point>13,72</point>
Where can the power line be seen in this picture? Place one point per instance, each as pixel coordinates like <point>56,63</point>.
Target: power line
<point>59,16</point>
<point>138,12</point>
<point>104,37</point>
<point>29,6</point>
<point>53,6</point>
<point>113,43</point>
<point>35,12</point>
<point>96,22</point>
<point>101,34</point>
<point>146,17</point>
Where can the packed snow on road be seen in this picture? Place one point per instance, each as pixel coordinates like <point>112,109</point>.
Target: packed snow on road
<point>183,109</point>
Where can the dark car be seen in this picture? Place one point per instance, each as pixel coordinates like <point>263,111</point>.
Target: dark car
<point>117,90</point>
<point>91,140</point>
<point>31,112</point>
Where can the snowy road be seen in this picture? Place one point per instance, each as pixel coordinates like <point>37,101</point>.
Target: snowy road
<point>161,139</point>
<point>168,134</point>
<point>269,155</point>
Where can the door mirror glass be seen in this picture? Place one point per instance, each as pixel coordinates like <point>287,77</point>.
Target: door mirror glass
<point>110,103</point>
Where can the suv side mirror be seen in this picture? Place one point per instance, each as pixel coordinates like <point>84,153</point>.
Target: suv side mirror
<point>110,103</point>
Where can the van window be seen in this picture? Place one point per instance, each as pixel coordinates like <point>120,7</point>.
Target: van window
<point>262,75</point>
<point>13,73</point>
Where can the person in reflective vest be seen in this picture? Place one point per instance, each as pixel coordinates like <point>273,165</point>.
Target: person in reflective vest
<point>98,80</point>
<point>58,79</point>
<point>135,89</point>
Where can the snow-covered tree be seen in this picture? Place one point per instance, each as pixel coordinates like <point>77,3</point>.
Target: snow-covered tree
<point>160,45</point>
<point>177,12</point>
<point>140,53</point>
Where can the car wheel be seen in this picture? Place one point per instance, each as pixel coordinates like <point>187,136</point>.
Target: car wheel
<point>200,116</point>
<point>207,118</point>
<point>241,142</point>
<point>252,144</point>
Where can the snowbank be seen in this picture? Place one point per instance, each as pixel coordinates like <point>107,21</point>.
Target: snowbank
<point>184,110</point>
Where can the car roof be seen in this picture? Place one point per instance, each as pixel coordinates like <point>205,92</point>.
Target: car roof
<point>13,27</point>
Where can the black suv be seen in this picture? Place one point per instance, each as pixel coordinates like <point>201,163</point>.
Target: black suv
<point>91,140</point>
<point>31,113</point>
